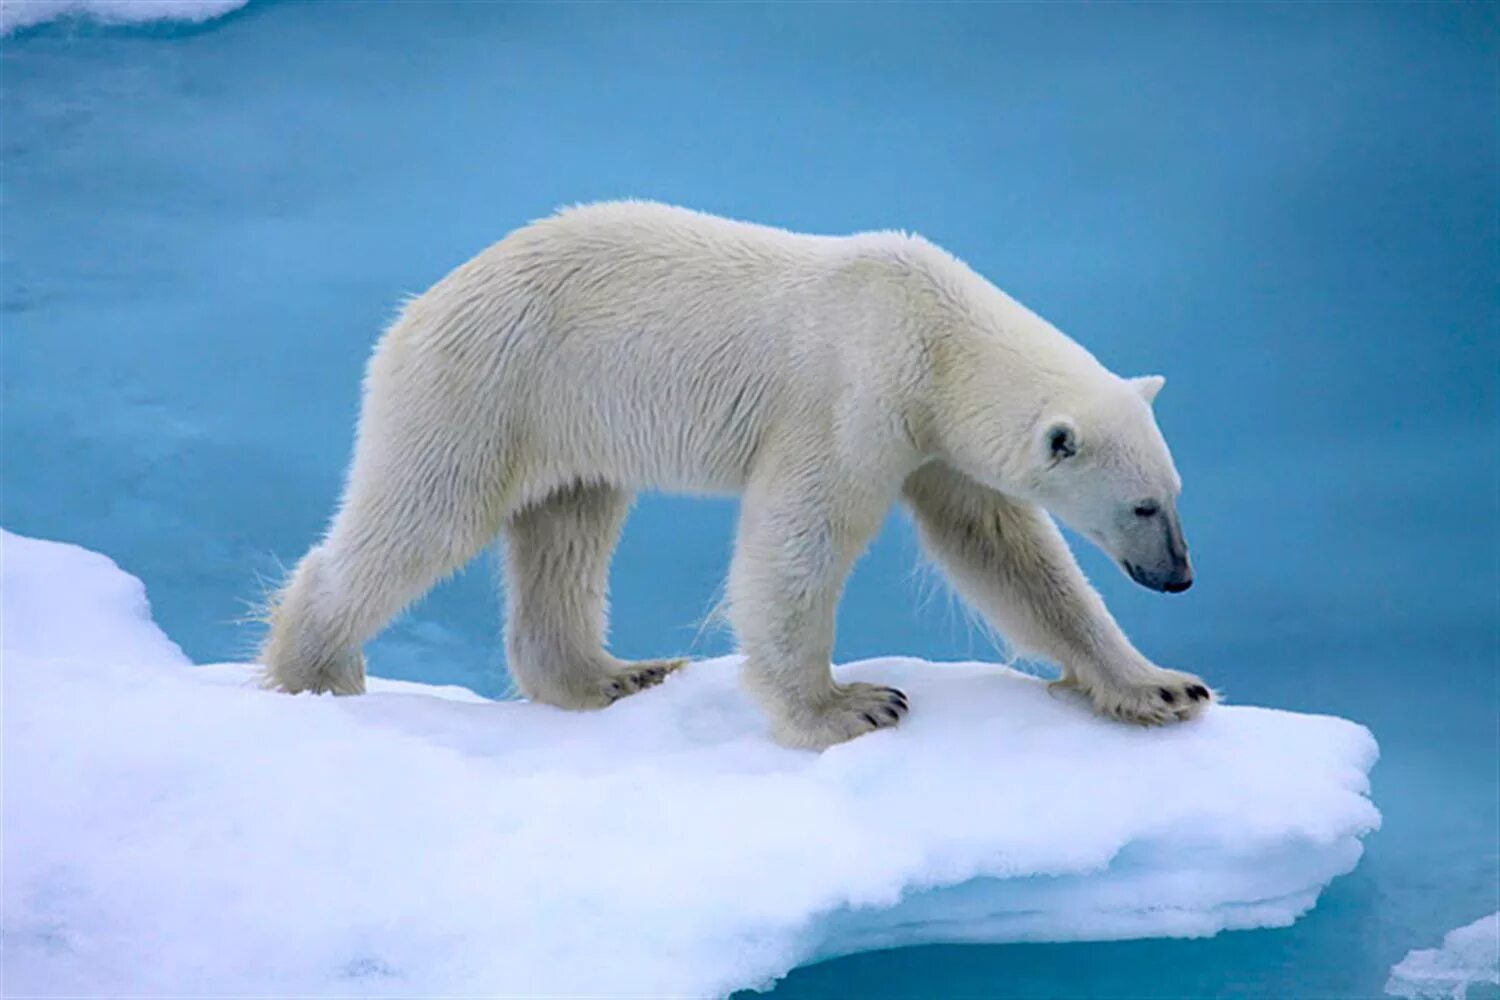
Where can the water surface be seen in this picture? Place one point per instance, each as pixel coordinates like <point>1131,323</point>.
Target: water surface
<point>1289,210</point>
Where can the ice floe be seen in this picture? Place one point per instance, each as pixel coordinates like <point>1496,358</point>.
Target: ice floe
<point>174,829</point>
<point>17,14</point>
<point>1470,956</point>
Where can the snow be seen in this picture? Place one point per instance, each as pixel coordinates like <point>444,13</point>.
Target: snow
<point>17,14</point>
<point>1469,956</point>
<point>170,829</point>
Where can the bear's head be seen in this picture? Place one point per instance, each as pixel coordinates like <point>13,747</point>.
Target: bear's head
<point>1103,469</point>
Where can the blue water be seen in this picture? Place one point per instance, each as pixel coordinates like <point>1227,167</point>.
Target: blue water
<point>1290,210</point>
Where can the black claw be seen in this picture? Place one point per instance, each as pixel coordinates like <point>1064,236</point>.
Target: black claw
<point>893,714</point>
<point>1198,692</point>
<point>1167,696</point>
<point>869,718</point>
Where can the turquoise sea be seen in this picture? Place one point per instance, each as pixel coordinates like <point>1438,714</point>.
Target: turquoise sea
<point>1290,210</point>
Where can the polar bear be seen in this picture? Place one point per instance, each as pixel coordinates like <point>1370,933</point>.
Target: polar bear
<point>624,346</point>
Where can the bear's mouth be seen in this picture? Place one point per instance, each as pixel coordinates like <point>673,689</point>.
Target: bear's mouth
<point>1165,584</point>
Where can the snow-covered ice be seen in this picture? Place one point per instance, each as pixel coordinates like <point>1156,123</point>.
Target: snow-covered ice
<point>1470,956</point>
<point>171,829</point>
<point>17,14</point>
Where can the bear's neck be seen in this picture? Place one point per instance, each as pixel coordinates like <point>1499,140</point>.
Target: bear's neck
<point>993,364</point>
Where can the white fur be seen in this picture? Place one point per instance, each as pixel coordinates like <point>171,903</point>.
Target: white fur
<point>626,346</point>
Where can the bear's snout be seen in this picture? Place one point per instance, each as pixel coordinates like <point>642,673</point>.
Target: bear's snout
<point>1165,566</point>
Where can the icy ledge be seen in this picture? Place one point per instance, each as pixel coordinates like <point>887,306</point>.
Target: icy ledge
<point>173,830</point>
<point>18,14</point>
<point>1470,956</point>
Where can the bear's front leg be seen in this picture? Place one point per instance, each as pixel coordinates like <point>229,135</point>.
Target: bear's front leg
<point>792,553</point>
<point>1011,564</point>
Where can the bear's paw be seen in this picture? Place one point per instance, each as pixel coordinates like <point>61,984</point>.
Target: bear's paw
<point>852,710</point>
<point>1152,699</point>
<point>629,678</point>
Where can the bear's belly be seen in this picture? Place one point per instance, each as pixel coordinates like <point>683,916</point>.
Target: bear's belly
<point>646,435</point>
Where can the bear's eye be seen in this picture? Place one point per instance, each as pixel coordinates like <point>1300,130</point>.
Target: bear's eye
<point>1061,443</point>
<point>1147,509</point>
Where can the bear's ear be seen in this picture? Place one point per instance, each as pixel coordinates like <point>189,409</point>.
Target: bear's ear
<point>1148,386</point>
<point>1059,440</point>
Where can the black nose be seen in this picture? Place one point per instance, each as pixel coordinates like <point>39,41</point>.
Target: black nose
<point>1178,586</point>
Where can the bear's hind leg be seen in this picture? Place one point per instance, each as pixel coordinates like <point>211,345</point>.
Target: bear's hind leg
<point>411,514</point>
<point>557,601</point>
